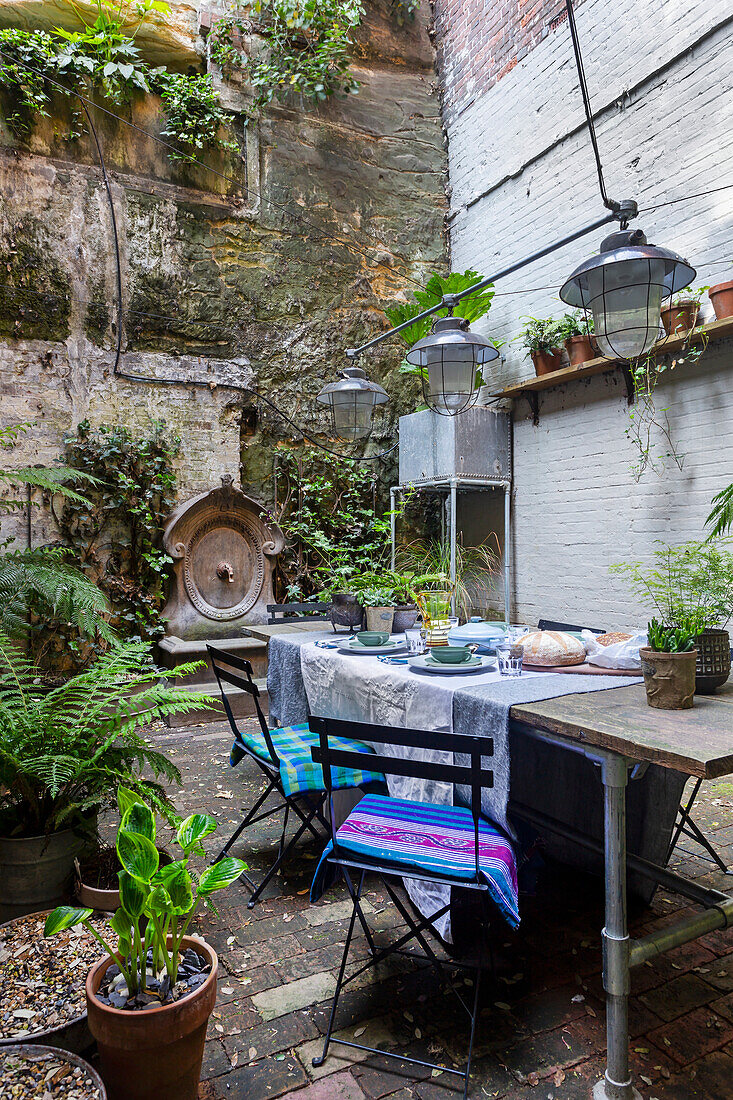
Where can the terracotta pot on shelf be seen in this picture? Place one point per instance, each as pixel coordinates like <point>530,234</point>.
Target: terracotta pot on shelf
<point>680,317</point>
<point>721,295</point>
<point>154,1053</point>
<point>580,349</point>
<point>669,678</point>
<point>547,361</point>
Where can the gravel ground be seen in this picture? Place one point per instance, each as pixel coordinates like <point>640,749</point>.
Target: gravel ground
<point>46,1076</point>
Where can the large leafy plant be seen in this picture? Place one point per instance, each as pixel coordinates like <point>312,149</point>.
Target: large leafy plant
<point>687,584</point>
<point>64,753</point>
<point>164,898</point>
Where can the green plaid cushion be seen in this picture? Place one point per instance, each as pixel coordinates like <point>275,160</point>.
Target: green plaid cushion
<point>298,771</point>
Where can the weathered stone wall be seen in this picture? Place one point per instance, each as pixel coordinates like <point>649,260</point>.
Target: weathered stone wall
<point>521,174</point>
<point>263,280</point>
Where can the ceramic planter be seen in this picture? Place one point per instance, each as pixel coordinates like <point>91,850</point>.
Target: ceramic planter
<point>669,678</point>
<point>156,1053</point>
<point>721,295</point>
<point>713,661</point>
<point>547,361</point>
<point>404,618</point>
<point>380,618</point>
<point>36,872</point>
<point>580,349</point>
<point>680,317</point>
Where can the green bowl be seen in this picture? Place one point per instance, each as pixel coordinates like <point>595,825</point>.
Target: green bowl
<point>373,637</point>
<point>451,654</point>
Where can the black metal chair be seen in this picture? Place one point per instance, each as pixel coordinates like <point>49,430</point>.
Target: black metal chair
<point>297,612</point>
<point>284,757</point>
<point>433,843</point>
<point>685,824</point>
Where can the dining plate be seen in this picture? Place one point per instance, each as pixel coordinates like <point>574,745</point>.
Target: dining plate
<point>426,663</point>
<point>353,645</point>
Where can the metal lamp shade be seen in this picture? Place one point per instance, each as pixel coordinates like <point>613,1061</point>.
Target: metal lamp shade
<point>352,400</point>
<point>448,358</point>
<point>623,288</point>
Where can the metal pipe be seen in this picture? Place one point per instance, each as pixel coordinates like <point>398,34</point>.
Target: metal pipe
<point>507,551</point>
<point>656,943</point>
<point>450,300</point>
<point>453,528</point>
<point>392,522</point>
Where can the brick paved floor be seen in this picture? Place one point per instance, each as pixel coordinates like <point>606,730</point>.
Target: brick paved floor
<point>541,1032</point>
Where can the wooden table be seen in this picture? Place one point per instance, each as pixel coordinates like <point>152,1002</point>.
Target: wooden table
<point>265,631</point>
<point>622,735</point>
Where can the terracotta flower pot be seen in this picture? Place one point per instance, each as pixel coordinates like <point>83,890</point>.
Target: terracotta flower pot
<point>580,349</point>
<point>669,678</point>
<point>546,362</point>
<point>154,1053</point>
<point>680,317</point>
<point>721,295</point>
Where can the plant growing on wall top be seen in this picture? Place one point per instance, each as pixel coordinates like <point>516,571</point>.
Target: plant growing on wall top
<point>104,57</point>
<point>307,46</point>
<point>118,532</point>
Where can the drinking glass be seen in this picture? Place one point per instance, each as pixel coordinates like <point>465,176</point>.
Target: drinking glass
<point>509,658</point>
<point>415,638</point>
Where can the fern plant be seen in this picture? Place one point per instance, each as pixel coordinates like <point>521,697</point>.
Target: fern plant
<point>720,519</point>
<point>64,753</point>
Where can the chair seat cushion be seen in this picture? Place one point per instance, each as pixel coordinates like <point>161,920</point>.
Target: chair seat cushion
<point>428,837</point>
<point>298,771</point>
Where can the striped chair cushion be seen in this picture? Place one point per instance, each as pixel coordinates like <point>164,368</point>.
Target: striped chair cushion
<point>430,838</point>
<point>298,772</point>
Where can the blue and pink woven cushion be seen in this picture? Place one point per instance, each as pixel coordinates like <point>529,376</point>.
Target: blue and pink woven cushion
<point>431,838</point>
<point>298,772</point>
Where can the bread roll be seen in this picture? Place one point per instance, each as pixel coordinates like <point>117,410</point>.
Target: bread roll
<point>552,647</point>
<point>613,637</point>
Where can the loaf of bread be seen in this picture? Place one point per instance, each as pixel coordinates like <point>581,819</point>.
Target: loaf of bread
<point>552,647</point>
<point>613,637</point>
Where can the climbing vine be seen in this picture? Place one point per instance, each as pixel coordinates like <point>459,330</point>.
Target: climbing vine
<point>104,58</point>
<point>117,531</point>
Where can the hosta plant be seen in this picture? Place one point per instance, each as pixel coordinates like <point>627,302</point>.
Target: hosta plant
<point>157,903</point>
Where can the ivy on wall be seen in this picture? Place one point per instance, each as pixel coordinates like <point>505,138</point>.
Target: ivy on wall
<point>117,531</point>
<point>104,58</point>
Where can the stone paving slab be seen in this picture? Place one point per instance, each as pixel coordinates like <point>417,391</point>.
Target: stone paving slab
<point>541,1032</point>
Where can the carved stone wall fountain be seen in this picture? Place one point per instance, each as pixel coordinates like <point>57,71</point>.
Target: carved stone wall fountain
<point>224,556</point>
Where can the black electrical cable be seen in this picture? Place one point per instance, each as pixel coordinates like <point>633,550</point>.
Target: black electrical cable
<point>295,214</point>
<point>609,203</point>
<point>151,379</point>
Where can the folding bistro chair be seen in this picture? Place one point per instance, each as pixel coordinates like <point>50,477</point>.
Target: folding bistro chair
<point>284,757</point>
<point>416,840</point>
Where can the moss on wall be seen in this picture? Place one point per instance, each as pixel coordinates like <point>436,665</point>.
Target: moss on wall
<point>35,292</point>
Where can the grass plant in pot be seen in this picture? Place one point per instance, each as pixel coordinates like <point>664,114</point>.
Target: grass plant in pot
<point>149,999</point>
<point>668,665</point>
<point>543,339</point>
<point>63,754</point>
<point>691,586</point>
<point>577,335</point>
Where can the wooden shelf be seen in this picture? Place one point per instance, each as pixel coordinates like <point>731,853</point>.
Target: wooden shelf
<point>716,330</point>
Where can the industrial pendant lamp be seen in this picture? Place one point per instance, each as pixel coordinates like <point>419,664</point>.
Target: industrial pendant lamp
<point>448,358</point>
<point>623,288</point>
<point>352,401</point>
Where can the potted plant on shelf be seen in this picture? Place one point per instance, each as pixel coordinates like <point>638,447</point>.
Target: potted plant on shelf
<point>576,329</point>
<point>63,754</point>
<point>149,999</point>
<point>721,296</point>
<point>543,340</point>
<point>682,312</point>
<point>691,586</point>
<point>668,665</point>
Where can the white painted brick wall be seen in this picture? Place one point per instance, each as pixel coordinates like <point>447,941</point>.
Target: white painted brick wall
<point>662,73</point>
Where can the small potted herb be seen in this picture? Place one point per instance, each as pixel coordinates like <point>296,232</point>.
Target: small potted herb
<point>576,329</point>
<point>543,340</point>
<point>149,999</point>
<point>721,296</point>
<point>682,312</point>
<point>379,607</point>
<point>668,665</point>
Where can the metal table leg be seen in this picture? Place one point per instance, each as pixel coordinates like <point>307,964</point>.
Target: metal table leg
<point>616,1084</point>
